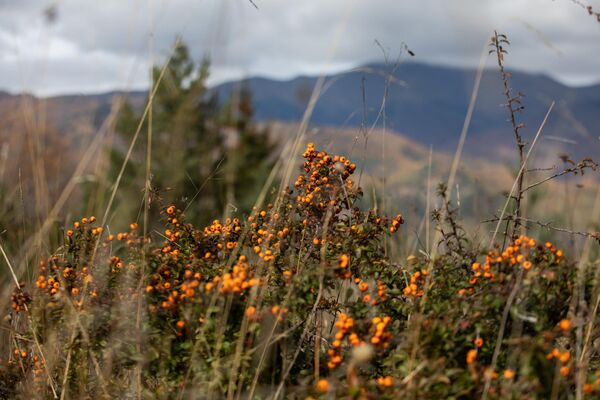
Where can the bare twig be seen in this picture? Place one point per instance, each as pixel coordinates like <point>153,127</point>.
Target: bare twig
<point>579,168</point>
<point>588,8</point>
<point>514,106</point>
<point>548,225</point>
<point>512,190</point>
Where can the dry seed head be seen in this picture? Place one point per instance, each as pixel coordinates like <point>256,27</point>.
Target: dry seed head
<point>362,353</point>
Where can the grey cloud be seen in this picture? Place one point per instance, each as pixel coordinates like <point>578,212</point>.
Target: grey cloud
<point>98,42</point>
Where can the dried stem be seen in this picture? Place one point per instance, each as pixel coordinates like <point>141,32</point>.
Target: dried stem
<point>514,106</point>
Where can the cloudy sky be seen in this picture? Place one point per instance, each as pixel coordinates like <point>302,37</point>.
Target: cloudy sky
<point>86,46</point>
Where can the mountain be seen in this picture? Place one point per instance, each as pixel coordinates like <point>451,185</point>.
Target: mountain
<point>428,104</point>
<point>425,103</point>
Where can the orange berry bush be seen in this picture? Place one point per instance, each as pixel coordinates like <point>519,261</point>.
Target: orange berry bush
<point>298,299</point>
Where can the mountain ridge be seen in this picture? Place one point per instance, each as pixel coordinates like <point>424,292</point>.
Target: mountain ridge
<point>443,91</point>
<point>425,102</point>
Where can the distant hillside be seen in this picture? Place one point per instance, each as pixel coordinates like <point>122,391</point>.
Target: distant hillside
<point>428,104</point>
<point>425,103</point>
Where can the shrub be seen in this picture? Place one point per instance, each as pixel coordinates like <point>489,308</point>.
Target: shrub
<point>299,299</point>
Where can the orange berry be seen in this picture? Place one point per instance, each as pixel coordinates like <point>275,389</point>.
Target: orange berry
<point>565,357</point>
<point>323,386</point>
<point>471,356</point>
<point>564,324</point>
<point>344,261</point>
<point>509,374</point>
<point>559,253</point>
<point>555,353</point>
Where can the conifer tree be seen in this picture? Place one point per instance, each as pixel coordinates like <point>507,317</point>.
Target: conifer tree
<point>248,160</point>
<point>204,155</point>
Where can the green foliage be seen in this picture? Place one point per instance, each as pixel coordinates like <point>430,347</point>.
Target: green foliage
<point>300,299</point>
<point>207,156</point>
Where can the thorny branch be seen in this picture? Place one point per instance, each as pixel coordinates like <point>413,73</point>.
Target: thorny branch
<point>547,225</point>
<point>576,169</point>
<point>514,106</point>
<point>588,8</point>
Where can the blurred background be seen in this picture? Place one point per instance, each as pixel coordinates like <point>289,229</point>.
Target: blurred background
<point>230,83</point>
